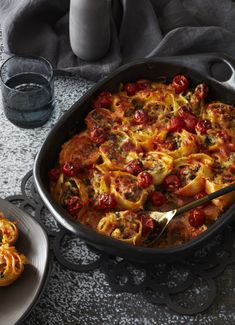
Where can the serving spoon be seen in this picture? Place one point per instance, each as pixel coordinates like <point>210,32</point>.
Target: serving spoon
<point>163,218</point>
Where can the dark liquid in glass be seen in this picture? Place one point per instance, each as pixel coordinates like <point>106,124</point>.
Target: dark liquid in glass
<point>28,100</point>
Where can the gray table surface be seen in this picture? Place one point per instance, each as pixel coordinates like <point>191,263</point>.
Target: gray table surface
<point>86,298</point>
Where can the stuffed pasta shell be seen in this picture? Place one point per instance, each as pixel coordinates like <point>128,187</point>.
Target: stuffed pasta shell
<point>123,226</point>
<point>158,164</point>
<point>79,149</point>
<point>176,144</point>
<point>128,194</point>
<point>218,182</point>
<point>117,151</point>
<point>193,171</point>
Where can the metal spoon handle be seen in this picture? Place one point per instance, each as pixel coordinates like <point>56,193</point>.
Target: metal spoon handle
<point>205,199</point>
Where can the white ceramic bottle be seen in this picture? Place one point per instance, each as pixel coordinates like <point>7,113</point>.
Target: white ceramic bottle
<point>89,28</point>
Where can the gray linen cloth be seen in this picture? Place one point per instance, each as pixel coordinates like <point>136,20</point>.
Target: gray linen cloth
<point>141,29</point>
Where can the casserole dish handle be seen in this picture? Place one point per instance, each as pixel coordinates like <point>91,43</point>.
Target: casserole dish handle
<point>217,67</point>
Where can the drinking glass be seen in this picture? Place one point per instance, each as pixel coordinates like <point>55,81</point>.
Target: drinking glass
<point>27,85</point>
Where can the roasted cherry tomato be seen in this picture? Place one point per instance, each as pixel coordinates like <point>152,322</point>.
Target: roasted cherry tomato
<point>106,201</point>
<point>180,84</point>
<point>73,204</point>
<point>202,126</point>
<point>98,135</point>
<point>223,135</point>
<point>135,167</point>
<point>144,179</point>
<point>142,84</point>
<point>231,147</point>
<point>171,183</point>
<point>157,198</point>
<point>232,168</point>
<point>190,122</point>
<point>176,124</point>
<point>130,89</point>
<point>148,224</point>
<point>183,110</point>
<point>140,116</point>
<point>197,218</point>
<point>200,195</point>
<point>70,168</point>
<point>128,146</point>
<point>54,174</point>
<point>103,100</point>
<point>201,91</point>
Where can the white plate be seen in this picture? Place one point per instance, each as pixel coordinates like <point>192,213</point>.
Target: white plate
<point>18,299</point>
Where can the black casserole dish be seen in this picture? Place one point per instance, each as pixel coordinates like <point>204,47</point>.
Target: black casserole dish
<point>216,71</point>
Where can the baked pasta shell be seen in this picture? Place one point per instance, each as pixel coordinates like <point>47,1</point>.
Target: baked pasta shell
<point>183,144</point>
<point>215,185</point>
<point>79,149</point>
<point>127,193</point>
<point>219,114</point>
<point>194,170</point>
<point>118,150</point>
<point>123,226</point>
<point>158,164</point>
<point>67,187</point>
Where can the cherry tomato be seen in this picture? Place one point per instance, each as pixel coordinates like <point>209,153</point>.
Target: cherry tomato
<point>135,167</point>
<point>142,84</point>
<point>128,146</point>
<point>232,168</point>
<point>197,218</point>
<point>130,89</point>
<point>140,116</point>
<point>157,198</point>
<point>106,201</point>
<point>201,91</point>
<point>183,110</point>
<point>104,99</point>
<point>223,135</point>
<point>231,147</point>
<point>176,124</point>
<point>54,174</point>
<point>144,179</point>
<point>180,83</point>
<point>171,183</point>
<point>73,204</point>
<point>202,126</point>
<point>98,135</point>
<point>148,224</point>
<point>190,122</point>
<point>70,168</point>
<point>200,195</point>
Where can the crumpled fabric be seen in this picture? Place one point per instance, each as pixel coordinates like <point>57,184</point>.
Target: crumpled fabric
<point>140,29</point>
